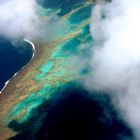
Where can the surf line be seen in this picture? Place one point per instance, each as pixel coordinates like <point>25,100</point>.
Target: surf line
<point>34,51</point>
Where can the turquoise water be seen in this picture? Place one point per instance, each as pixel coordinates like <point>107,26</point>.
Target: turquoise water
<point>44,70</point>
<point>81,15</point>
<point>65,6</point>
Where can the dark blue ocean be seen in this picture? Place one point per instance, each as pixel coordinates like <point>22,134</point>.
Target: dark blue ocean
<point>13,56</point>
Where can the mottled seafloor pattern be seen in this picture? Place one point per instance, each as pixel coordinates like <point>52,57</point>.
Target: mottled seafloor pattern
<point>67,25</point>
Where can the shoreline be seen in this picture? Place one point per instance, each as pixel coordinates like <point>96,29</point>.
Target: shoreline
<point>34,52</point>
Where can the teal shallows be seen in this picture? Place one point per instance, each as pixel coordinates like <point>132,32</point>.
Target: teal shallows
<point>30,107</point>
<point>68,26</point>
<point>42,95</point>
<point>89,39</point>
<point>32,101</point>
<point>85,36</point>
<point>55,28</point>
<point>45,92</point>
<point>44,70</point>
<point>71,45</point>
<point>18,108</point>
<point>85,31</point>
<point>69,5</point>
<point>81,15</point>
<point>59,52</point>
<point>65,6</point>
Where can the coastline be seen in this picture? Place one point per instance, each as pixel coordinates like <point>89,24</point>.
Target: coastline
<point>16,88</point>
<point>34,52</point>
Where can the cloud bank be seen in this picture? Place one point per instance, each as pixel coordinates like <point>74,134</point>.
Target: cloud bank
<point>115,29</point>
<point>18,18</point>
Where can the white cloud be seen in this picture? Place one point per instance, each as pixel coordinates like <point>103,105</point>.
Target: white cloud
<point>18,18</point>
<point>116,55</point>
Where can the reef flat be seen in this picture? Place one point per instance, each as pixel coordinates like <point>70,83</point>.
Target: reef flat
<point>54,66</point>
